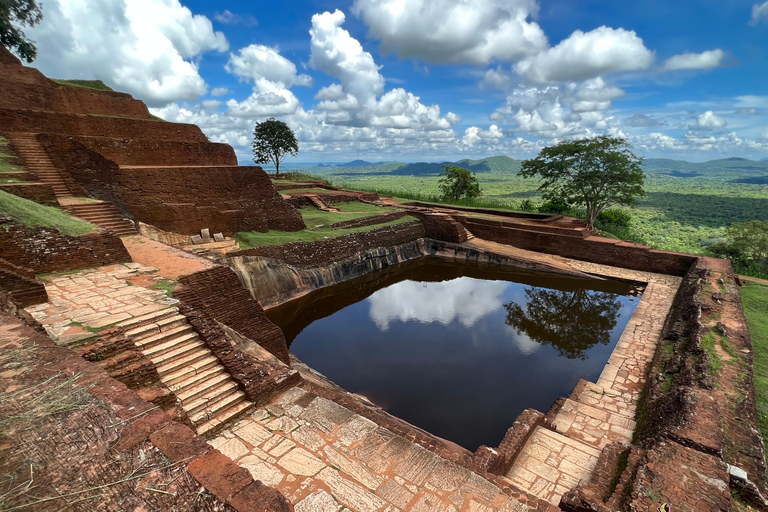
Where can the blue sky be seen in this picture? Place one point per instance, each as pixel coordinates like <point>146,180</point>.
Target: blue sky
<point>430,80</point>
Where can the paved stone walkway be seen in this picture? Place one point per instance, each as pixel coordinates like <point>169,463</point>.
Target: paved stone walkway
<point>324,458</point>
<point>82,303</point>
<point>597,414</point>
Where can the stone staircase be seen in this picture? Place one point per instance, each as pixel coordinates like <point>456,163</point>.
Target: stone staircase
<point>103,214</point>
<point>322,205</point>
<point>37,161</point>
<point>557,459</point>
<point>202,386</point>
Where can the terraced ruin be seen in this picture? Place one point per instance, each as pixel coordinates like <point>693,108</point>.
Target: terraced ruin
<point>139,367</point>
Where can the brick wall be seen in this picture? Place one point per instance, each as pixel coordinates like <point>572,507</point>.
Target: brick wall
<point>325,252</point>
<point>14,120</point>
<point>181,200</point>
<point>46,250</point>
<point>595,249</point>
<point>219,292</point>
<point>442,227</point>
<point>20,285</point>
<point>36,192</point>
<point>369,221</point>
<point>159,152</point>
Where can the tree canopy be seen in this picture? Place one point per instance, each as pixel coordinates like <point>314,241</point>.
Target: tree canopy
<point>572,322</point>
<point>273,140</point>
<point>457,183</point>
<point>594,173</point>
<point>14,13</point>
<point>747,247</point>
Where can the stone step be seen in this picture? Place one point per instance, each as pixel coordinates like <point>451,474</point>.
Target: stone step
<point>217,407</point>
<point>607,399</point>
<point>179,352</point>
<point>170,343</point>
<point>593,426</point>
<point>203,389</point>
<point>195,359</point>
<point>208,399</point>
<point>161,324</point>
<point>148,318</point>
<point>198,378</point>
<point>177,376</point>
<point>224,417</point>
<point>219,395</point>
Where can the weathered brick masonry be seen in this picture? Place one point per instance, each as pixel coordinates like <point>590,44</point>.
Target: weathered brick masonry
<point>37,192</point>
<point>133,151</point>
<point>325,252</point>
<point>182,200</point>
<point>47,250</point>
<point>593,249</point>
<point>219,293</point>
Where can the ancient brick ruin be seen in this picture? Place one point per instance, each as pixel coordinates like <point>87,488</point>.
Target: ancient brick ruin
<point>201,376</point>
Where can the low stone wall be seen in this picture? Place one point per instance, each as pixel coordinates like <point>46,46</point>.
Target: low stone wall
<point>220,294</point>
<point>443,227</point>
<point>369,221</point>
<point>47,250</point>
<point>20,286</point>
<point>328,251</point>
<point>37,192</point>
<point>161,152</point>
<point>593,249</point>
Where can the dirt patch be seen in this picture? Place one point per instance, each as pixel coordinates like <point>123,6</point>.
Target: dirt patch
<point>171,263</point>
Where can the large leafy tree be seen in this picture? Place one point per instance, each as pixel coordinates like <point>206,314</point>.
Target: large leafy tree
<point>572,322</point>
<point>12,14</point>
<point>594,173</point>
<point>273,140</point>
<point>747,247</point>
<point>458,183</point>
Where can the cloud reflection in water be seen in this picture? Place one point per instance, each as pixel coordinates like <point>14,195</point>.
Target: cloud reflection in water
<point>464,298</point>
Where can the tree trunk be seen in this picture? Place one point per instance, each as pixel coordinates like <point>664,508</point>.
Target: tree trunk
<point>591,216</point>
<point>277,168</point>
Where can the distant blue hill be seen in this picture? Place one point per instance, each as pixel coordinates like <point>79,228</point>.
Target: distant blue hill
<point>358,163</point>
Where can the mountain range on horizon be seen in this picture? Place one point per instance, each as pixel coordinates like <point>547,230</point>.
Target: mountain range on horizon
<point>750,170</point>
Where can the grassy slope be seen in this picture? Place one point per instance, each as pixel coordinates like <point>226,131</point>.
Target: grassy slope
<point>317,228</point>
<point>5,164</point>
<point>32,215</point>
<point>755,298</point>
<point>97,85</point>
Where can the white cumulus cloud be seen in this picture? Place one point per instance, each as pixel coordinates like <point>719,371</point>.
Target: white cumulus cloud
<point>257,61</point>
<point>455,31</point>
<point>148,48</point>
<point>704,60</point>
<point>585,55</point>
<point>759,13</point>
<point>709,121</point>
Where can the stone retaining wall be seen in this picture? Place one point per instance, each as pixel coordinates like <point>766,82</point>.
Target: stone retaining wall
<point>161,152</point>
<point>46,250</point>
<point>37,192</point>
<point>369,221</point>
<point>593,249</point>
<point>325,252</point>
<point>219,293</point>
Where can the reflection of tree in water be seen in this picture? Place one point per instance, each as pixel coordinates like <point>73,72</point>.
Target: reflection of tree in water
<point>572,322</point>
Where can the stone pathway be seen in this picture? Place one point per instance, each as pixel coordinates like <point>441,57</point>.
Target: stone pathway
<point>597,414</point>
<point>82,303</point>
<point>324,458</point>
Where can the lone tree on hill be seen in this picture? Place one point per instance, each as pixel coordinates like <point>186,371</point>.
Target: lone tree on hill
<point>19,12</point>
<point>458,183</point>
<point>594,173</point>
<point>272,141</point>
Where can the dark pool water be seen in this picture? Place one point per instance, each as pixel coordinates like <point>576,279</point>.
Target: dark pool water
<point>459,351</point>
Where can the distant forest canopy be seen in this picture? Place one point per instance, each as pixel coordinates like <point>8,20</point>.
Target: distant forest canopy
<point>741,169</point>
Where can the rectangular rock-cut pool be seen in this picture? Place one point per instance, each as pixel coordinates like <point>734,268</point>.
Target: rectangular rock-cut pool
<point>459,350</point>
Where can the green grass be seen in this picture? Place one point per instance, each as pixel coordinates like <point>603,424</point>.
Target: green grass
<point>708,342</point>
<point>755,299</point>
<point>307,191</point>
<point>33,215</point>
<point>357,206</point>
<point>97,85</point>
<point>256,239</point>
<point>167,285</point>
<point>314,217</point>
<point>5,158</point>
